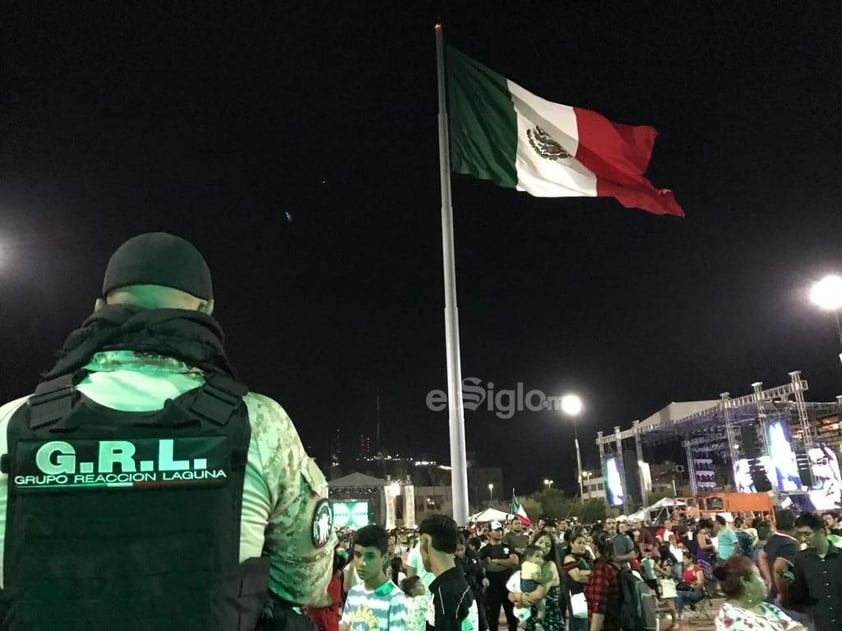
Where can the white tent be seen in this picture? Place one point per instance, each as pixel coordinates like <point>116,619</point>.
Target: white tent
<point>491,514</point>
<point>640,515</point>
<point>645,513</point>
<point>666,501</point>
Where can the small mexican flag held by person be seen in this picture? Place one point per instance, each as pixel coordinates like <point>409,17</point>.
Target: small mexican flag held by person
<point>517,509</point>
<point>501,132</point>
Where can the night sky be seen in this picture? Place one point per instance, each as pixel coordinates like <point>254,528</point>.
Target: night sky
<point>220,126</point>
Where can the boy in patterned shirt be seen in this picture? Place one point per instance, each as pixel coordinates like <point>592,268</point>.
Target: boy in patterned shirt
<point>377,604</point>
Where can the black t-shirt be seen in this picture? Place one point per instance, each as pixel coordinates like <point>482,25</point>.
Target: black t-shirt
<point>783,546</point>
<point>495,551</point>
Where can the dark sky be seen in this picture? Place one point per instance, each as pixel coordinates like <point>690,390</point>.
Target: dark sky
<point>212,125</point>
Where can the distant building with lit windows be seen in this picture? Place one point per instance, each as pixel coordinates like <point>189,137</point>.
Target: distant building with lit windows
<point>365,446</point>
<point>593,488</point>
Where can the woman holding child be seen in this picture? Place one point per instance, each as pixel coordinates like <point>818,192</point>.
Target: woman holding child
<point>548,590</point>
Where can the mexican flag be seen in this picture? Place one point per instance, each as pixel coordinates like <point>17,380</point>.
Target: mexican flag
<point>517,509</point>
<point>503,133</point>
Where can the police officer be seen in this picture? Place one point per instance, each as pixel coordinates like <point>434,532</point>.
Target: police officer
<point>143,486</point>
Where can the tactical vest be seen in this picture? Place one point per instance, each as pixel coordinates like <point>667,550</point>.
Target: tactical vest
<point>124,520</point>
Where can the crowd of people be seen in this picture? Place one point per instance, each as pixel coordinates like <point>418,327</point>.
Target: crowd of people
<point>557,575</point>
<point>146,377</point>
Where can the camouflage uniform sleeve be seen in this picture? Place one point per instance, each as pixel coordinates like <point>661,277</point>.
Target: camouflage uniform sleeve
<point>300,568</point>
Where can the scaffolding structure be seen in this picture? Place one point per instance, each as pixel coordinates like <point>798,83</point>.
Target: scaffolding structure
<point>712,433</point>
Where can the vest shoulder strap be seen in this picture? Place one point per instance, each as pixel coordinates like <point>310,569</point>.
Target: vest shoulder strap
<point>218,399</point>
<point>53,400</point>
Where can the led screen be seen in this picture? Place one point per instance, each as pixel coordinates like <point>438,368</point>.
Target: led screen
<point>826,491</point>
<point>784,473</point>
<point>350,514</point>
<point>742,474</point>
<point>613,482</point>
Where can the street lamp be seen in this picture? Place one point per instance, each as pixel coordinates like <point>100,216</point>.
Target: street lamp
<point>572,406</point>
<point>490,492</point>
<point>827,295</point>
<point>548,483</point>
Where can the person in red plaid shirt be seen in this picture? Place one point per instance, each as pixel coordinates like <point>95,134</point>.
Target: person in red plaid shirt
<point>603,591</point>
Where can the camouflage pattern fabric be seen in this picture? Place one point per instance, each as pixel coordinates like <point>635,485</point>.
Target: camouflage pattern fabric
<point>300,571</point>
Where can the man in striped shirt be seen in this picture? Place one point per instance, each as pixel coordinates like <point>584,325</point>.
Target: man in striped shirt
<point>377,604</point>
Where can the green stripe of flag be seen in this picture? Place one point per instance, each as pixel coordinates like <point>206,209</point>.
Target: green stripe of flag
<point>483,127</point>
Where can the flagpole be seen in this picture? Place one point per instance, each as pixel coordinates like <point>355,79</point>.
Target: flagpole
<point>456,412</point>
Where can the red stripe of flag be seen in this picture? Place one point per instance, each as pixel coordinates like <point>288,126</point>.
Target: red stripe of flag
<point>618,155</point>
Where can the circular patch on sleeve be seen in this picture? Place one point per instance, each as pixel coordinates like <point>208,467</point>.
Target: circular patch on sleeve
<point>322,524</point>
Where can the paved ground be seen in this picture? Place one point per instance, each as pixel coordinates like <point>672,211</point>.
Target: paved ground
<point>699,620</point>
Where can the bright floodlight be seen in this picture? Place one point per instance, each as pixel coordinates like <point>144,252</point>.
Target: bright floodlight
<point>571,404</point>
<point>827,293</point>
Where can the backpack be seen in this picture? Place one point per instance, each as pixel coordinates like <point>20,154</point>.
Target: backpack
<point>744,539</point>
<point>639,609</point>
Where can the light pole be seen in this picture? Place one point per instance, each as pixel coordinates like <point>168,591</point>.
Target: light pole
<point>572,405</point>
<point>490,492</point>
<point>827,295</point>
<point>548,483</point>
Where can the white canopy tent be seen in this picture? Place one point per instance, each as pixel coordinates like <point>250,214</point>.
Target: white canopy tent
<point>491,514</point>
<point>667,501</point>
<point>660,505</point>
